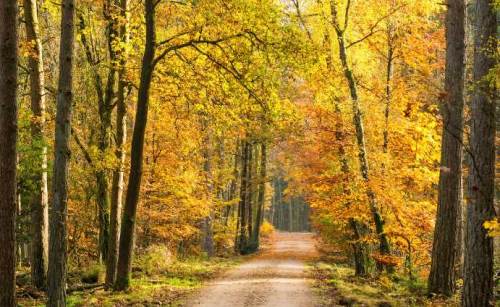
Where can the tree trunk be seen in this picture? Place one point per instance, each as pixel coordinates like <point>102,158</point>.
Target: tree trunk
<point>103,212</point>
<point>137,151</point>
<point>241,238</point>
<point>478,266</point>
<point>206,223</point>
<point>261,195</point>
<point>59,210</point>
<point>359,229</point>
<point>250,193</point>
<point>234,183</point>
<point>106,96</point>
<point>121,138</point>
<point>447,239</point>
<point>8,150</point>
<point>39,201</point>
<point>388,87</point>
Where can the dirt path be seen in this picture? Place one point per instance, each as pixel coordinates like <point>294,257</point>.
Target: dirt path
<point>276,277</point>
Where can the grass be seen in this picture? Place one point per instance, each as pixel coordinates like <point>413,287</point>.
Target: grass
<point>339,287</point>
<point>167,286</point>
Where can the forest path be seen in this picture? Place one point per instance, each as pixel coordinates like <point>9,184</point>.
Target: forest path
<point>275,277</point>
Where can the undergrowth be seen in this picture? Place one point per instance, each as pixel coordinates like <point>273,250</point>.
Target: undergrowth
<point>165,285</point>
<point>338,286</point>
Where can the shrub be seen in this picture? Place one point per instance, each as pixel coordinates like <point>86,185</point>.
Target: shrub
<point>266,229</point>
<point>155,259</point>
<point>93,275</point>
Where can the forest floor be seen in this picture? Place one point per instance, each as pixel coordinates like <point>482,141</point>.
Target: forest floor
<point>155,282</point>
<point>337,285</point>
<point>288,271</point>
<point>277,276</point>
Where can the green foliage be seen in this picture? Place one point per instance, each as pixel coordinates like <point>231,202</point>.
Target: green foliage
<point>155,260</point>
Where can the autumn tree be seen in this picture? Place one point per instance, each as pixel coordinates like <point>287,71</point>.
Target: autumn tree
<point>397,78</point>
<point>358,122</point>
<point>132,197</point>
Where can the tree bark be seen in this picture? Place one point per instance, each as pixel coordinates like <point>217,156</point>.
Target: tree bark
<point>121,138</point>
<point>359,229</point>
<point>261,195</point>
<point>388,86</point>
<point>8,150</point>
<point>39,201</point>
<point>447,239</point>
<point>241,238</point>
<point>234,183</point>
<point>206,223</point>
<point>250,193</point>
<point>478,267</point>
<point>59,210</point>
<point>106,96</point>
<point>137,152</point>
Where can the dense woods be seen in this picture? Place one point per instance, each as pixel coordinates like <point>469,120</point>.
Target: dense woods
<point>194,129</point>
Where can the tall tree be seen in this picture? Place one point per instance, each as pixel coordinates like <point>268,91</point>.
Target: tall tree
<point>359,229</point>
<point>478,260</point>
<point>137,152</point>
<point>121,137</point>
<point>358,124</point>
<point>8,150</point>
<point>106,100</point>
<point>39,201</point>
<point>390,57</point>
<point>447,238</point>
<point>59,210</point>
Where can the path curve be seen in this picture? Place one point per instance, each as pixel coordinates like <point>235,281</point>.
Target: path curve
<point>276,277</point>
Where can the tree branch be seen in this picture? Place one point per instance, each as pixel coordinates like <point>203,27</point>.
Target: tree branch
<point>192,43</point>
<point>236,75</point>
<point>85,152</point>
<point>373,28</point>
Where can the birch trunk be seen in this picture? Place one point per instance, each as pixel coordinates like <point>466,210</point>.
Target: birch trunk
<point>360,133</point>
<point>39,201</point>
<point>121,138</point>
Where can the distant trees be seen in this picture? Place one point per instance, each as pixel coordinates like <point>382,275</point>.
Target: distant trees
<point>8,150</point>
<point>251,198</point>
